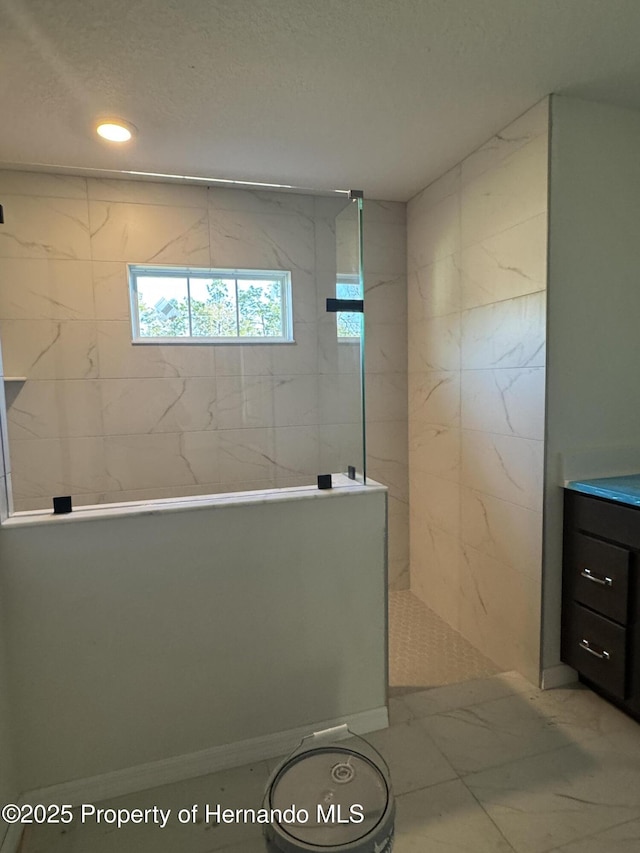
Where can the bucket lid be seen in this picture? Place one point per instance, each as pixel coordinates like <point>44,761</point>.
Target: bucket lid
<point>330,777</point>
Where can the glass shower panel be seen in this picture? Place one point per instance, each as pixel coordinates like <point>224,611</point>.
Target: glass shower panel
<point>136,380</point>
<point>344,445</point>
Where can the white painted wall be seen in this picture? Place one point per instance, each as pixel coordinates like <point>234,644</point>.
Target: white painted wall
<point>7,776</point>
<point>8,787</point>
<point>141,638</point>
<point>593,401</point>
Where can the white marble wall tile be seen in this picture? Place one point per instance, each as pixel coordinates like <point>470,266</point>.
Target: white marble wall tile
<point>324,234</point>
<point>56,409</point>
<point>329,206</point>
<point>41,184</point>
<point>134,406</point>
<point>527,127</point>
<point>386,396</point>
<point>395,476</point>
<point>347,244</point>
<point>435,450</point>
<point>111,290</point>
<point>246,454</point>
<point>151,234</point>
<point>261,201</point>
<point>435,290</point>
<point>261,241</point>
<point>247,359</point>
<point>146,192</point>
<point>336,355</point>
<point>52,466</point>
<point>385,299</point>
<point>445,186</point>
<point>296,400</point>
<point>398,577</point>
<point>500,609</point>
<point>386,348</point>
<point>119,359</point>
<point>43,349</point>
<point>505,532</point>
<point>435,569</point>
<point>45,289</point>
<point>385,248</point>
<point>245,401</point>
<point>298,357</point>
<point>349,357</point>
<point>5,459</point>
<point>385,212</point>
<point>147,461</point>
<point>510,264</point>
<point>398,518</point>
<point>433,234</point>
<point>509,401</point>
<point>437,503</point>
<point>5,512</point>
<point>297,451</point>
<point>200,451</point>
<point>339,400</point>
<point>434,398</point>
<point>304,298</point>
<point>435,344</point>
<point>44,228</point>
<point>500,198</point>
<point>505,334</point>
<point>506,467</point>
<point>340,445</point>
<point>387,442</point>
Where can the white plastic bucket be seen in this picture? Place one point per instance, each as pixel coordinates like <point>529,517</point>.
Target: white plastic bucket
<point>331,795</point>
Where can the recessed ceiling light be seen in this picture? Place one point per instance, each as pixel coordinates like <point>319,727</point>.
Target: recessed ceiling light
<point>115,130</point>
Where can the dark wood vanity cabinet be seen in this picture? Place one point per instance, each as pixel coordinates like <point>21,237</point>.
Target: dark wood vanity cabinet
<point>601,596</point>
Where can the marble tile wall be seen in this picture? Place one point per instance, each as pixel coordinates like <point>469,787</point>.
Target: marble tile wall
<point>476,385</point>
<point>106,421</point>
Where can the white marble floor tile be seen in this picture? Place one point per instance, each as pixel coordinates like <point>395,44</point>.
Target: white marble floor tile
<point>493,733</point>
<point>445,819</point>
<point>624,838</point>
<point>544,801</point>
<point>241,787</point>
<point>413,758</point>
<point>467,693</point>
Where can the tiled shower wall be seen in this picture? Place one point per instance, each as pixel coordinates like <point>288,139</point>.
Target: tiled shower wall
<point>106,421</point>
<point>477,279</point>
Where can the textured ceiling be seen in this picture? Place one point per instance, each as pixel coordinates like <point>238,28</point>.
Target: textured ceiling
<point>382,95</point>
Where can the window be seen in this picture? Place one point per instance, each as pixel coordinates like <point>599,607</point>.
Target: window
<point>183,305</point>
<point>349,323</point>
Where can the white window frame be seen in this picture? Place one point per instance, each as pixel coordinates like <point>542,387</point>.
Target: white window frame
<point>162,271</point>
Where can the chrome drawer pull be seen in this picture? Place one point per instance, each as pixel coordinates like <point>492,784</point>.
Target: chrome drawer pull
<point>603,655</point>
<point>586,573</point>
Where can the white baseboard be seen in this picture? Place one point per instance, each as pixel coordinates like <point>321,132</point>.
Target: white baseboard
<point>558,676</point>
<point>133,779</point>
<point>12,839</point>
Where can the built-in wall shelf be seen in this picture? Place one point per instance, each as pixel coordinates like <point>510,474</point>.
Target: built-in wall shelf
<point>15,378</point>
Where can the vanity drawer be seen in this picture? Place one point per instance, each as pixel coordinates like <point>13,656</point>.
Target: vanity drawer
<point>597,574</point>
<point>596,647</point>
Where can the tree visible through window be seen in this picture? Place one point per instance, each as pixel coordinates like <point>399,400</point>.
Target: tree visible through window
<point>219,305</point>
<point>349,323</point>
